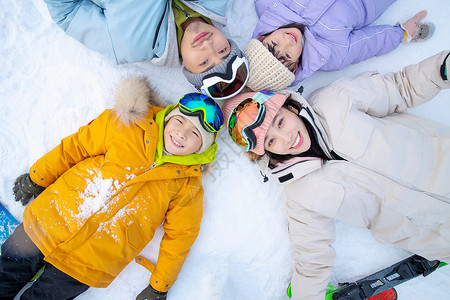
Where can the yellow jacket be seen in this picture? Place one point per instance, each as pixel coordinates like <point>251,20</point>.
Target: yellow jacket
<point>104,197</point>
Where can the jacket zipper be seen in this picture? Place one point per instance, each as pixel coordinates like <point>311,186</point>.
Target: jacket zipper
<point>159,26</point>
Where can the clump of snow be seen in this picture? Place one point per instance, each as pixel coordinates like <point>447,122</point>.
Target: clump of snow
<point>96,194</point>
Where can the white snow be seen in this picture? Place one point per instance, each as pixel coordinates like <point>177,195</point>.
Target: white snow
<point>50,85</point>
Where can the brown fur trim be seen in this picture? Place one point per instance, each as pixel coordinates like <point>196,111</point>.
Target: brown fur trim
<point>133,99</point>
<point>253,156</point>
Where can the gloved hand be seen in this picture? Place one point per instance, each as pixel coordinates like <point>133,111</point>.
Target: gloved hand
<point>24,189</point>
<point>416,29</point>
<point>149,293</point>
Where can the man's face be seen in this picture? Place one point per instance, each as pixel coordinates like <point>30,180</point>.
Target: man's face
<point>181,137</point>
<point>203,47</point>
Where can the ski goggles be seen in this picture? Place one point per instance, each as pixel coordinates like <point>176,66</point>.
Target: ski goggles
<point>203,107</point>
<point>246,116</point>
<point>220,88</point>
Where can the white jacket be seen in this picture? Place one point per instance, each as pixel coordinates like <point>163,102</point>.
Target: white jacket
<point>395,179</point>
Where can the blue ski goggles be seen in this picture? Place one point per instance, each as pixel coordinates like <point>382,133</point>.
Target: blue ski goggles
<point>203,107</point>
<point>220,87</point>
<point>246,116</point>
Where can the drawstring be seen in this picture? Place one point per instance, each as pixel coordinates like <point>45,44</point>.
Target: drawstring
<point>264,176</point>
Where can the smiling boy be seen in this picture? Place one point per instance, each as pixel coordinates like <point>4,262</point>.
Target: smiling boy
<point>101,194</point>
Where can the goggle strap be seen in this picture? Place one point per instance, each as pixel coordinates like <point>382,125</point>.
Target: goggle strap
<point>249,136</point>
<point>262,96</point>
<point>229,71</point>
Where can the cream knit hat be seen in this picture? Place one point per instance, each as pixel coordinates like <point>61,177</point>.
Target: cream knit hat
<point>207,137</point>
<point>266,71</point>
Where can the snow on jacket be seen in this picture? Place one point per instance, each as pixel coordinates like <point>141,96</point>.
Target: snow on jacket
<point>130,31</point>
<point>394,179</point>
<point>104,198</point>
<point>336,31</point>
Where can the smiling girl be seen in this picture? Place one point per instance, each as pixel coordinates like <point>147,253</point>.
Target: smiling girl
<point>294,39</point>
<point>360,160</point>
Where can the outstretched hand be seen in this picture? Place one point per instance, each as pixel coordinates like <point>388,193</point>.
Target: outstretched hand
<point>24,189</point>
<point>418,30</point>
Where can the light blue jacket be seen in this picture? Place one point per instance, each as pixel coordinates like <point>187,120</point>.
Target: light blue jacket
<point>337,32</point>
<point>129,30</point>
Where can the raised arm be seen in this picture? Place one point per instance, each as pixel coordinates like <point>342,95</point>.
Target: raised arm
<point>123,31</point>
<point>86,22</point>
<point>88,141</point>
<point>380,95</point>
<point>371,41</point>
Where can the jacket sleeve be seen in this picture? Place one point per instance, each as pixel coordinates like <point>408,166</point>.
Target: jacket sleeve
<point>380,95</point>
<point>86,22</point>
<point>87,142</point>
<point>181,229</point>
<point>260,6</point>
<point>370,41</point>
<point>311,235</point>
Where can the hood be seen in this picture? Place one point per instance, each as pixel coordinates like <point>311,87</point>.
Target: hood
<point>133,99</point>
<point>205,157</point>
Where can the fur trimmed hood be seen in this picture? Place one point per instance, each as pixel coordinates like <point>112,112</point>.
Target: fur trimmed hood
<point>133,99</point>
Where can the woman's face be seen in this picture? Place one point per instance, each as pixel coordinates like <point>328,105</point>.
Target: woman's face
<point>287,134</point>
<point>285,44</point>
<point>181,136</point>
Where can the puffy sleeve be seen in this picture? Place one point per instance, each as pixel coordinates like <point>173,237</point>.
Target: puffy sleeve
<point>312,235</point>
<point>123,31</point>
<point>87,142</point>
<point>380,95</point>
<point>370,41</point>
<point>86,22</point>
<point>181,229</point>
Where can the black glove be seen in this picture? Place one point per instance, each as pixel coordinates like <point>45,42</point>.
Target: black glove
<point>149,293</point>
<point>24,189</point>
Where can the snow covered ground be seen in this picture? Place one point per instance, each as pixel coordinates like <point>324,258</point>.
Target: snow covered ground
<point>50,85</point>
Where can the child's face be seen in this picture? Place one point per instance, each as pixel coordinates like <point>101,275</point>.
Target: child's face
<point>285,44</point>
<point>287,134</point>
<point>181,136</point>
<point>203,47</point>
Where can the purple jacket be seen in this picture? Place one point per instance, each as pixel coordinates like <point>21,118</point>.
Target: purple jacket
<point>336,31</point>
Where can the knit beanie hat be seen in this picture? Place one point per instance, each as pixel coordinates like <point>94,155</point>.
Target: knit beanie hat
<point>197,79</point>
<point>207,137</point>
<point>272,105</point>
<point>266,71</point>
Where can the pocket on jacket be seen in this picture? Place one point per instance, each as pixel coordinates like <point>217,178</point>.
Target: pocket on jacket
<point>134,236</point>
<point>391,227</point>
<point>356,135</point>
<point>73,181</point>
